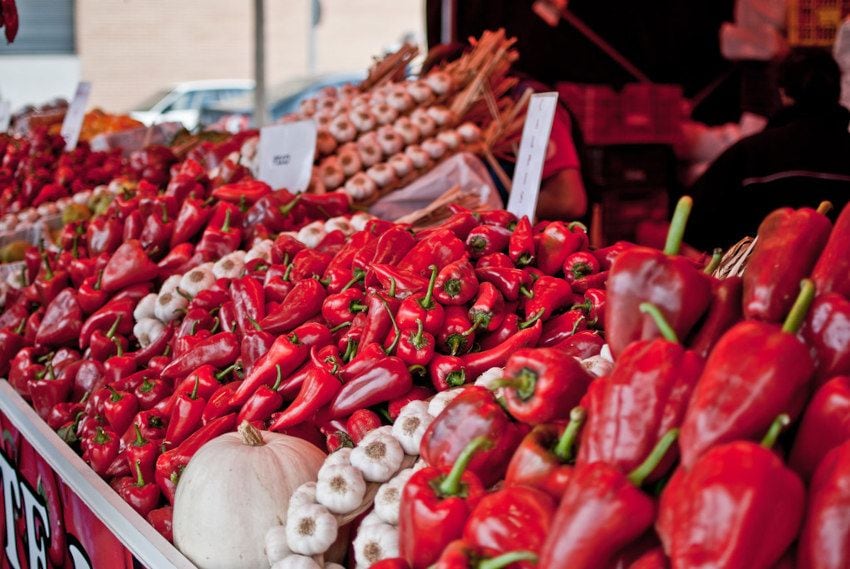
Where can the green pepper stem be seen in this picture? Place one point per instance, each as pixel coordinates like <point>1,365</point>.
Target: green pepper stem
<point>164,214</point>
<point>21,326</point>
<point>427,301</point>
<point>395,328</point>
<point>644,469</point>
<point>525,292</point>
<point>392,287</point>
<point>339,327</point>
<point>225,227</point>
<point>255,324</point>
<point>99,280</point>
<point>660,321</point>
<point>416,339</point>
<point>194,394</point>
<point>359,275</point>
<point>824,207</point>
<point>566,444</point>
<point>677,226</point>
<point>278,377</point>
<point>451,484</point>
<point>47,269</point>
<point>221,374</point>
<point>506,559</point>
<point>797,315</point>
<point>776,428</point>
<point>119,349</point>
<point>531,321</point>
<point>287,272</point>
<point>112,329</point>
<point>350,350</point>
<point>140,438</point>
<point>716,257</point>
<point>574,224</point>
<point>140,480</point>
<point>287,207</point>
<point>356,307</point>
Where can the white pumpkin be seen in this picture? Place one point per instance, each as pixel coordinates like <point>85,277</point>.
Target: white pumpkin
<point>234,489</point>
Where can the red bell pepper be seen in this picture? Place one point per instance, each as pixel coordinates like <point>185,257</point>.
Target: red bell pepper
<point>488,310</point>
<point>422,307</point>
<point>415,347</point>
<point>509,281</point>
<point>396,282</point>
<point>669,282</point>
<point>601,512</point>
<point>244,191</point>
<point>786,250</point>
<point>521,243</point>
<point>128,265</point>
<point>342,307</point>
<point>186,415</point>
<point>193,216</point>
<point>104,234</point>
<point>435,506</point>
<point>456,283</point>
<point>308,264</point>
<point>51,388</point>
<point>90,294</point>
<point>285,356</point>
<point>220,237</point>
<point>120,309</point>
<point>157,231</point>
<point>101,450</point>
<point>756,371</point>
<point>545,457</point>
<point>119,409</point>
<point>473,413</point>
<point>832,270</point>
<point>558,241</point>
<point>724,312</point>
<point>265,401</point>
<point>219,350</point>
<point>141,495</point>
<point>661,375</point>
<point>542,385</point>
<point>386,379</point>
<point>825,530</point>
<point>302,303</point>
<point>827,332</point>
<point>62,320</point>
<point>763,504</point>
<point>580,265</point>
<point>456,335</point>
<point>104,345</point>
<point>592,306</point>
<point>486,240</point>
<point>548,296</point>
<point>825,425</point>
<point>319,388</point>
<point>142,452</point>
<point>438,249</point>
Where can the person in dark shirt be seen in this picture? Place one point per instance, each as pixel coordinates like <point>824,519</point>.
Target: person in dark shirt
<point>801,158</point>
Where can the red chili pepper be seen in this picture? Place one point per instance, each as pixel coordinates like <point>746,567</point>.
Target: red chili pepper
<point>499,217</point>
<point>455,336</point>
<point>193,216</point>
<point>833,266</point>
<point>593,306</point>
<point>416,393</point>
<point>248,301</point>
<point>495,260</point>
<point>543,385</point>
<point>447,372</point>
<point>49,283</point>
<point>487,239</point>
<point>512,519</point>
<point>438,249</point>
<point>661,374</point>
<point>309,264</point>
<point>825,425</point>
<point>133,224</point>
<point>244,191</point>
<point>415,346</point>
<point>435,506</point>
<point>104,319</point>
<point>521,244</point>
<point>319,388</point>
<point>11,341</point>
<point>488,310</point>
<point>763,503</point>
<point>101,450</point>
<point>219,350</point>
<point>362,422</point>
<point>388,249</point>
<point>545,457</point>
<point>128,265</point>
<point>255,344</point>
<point>51,387</point>
<point>509,281</point>
<point>786,250</point>
<point>342,307</point>
<point>827,332</point>
<point>220,237</point>
<point>119,410</point>
<point>90,295</point>
<point>422,307</point>
<point>218,403</point>
<point>171,464</point>
<point>285,356</point>
<point>386,379</point>
<point>161,519</point>
<point>379,309</point>
<point>62,320</point>
<point>104,234</point>
<point>825,530</point>
<point>580,265</point>
<point>477,363</point>
<point>185,416</point>
<point>146,356</point>
<point>601,512</point>
<point>142,452</point>
<point>177,259</point>
<point>456,283</point>
<point>460,223</point>
<point>724,312</point>
<point>397,282</point>
<point>302,303</point>
<point>157,231</point>
<point>548,295</point>
<point>265,401</point>
<point>645,275</point>
<point>558,241</point>
<point>562,327</point>
<point>757,370</point>
<point>105,345</point>
<point>473,413</point>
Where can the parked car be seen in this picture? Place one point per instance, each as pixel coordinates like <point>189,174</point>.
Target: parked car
<point>238,113</point>
<point>182,102</point>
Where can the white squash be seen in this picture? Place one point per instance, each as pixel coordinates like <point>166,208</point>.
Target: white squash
<point>234,489</point>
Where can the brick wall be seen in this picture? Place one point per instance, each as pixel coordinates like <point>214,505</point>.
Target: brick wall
<point>130,48</point>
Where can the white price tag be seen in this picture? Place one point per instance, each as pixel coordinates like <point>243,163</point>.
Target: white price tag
<point>532,154</point>
<point>5,115</point>
<point>286,155</point>
<point>73,122</point>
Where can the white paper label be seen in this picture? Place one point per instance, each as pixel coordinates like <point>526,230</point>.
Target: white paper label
<point>73,122</point>
<point>5,115</point>
<point>532,154</point>
<point>286,155</point>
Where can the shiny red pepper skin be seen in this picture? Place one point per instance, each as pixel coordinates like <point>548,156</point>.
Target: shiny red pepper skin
<point>477,363</point>
<point>104,234</point>
<point>763,504</point>
<point>219,350</point>
<point>101,450</point>
<point>500,217</point>
<point>456,283</point>
<point>62,320</point>
<point>521,243</point>
<point>542,460</point>
<point>758,371</point>
<point>415,346</point>
<point>556,243</point>
<point>488,310</point>
<point>389,278</point>
<point>455,336</point>
<point>486,240</point>
<point>157,231</point>
<point>244,191</point>
<point>509,281</point>
<point>825,425</point>
<point>161,519</point>
<point>548,296</point>
<point>361,423</point>
<point>580,265</point>
<point>825,532</point>
<point>128,265</point>
<point>389,248</point>
<point>516,518</point>
<point>787,248</point>
<point>543,385</point>
<point>302,303</point>
<point>319,388</point>
<point>119,409</point>
<point>724,312</point>
<point>249,302</point>
<point>193,216</point>
<point>473,413</point>
<point>52,388</point>
<point>832,270</point>
<point>439,249</point>
<point>447,372</point>
<point>222,235</point>
<point>386,379</point>
<point>646,275</point>
<point>659,374</point>
<point>105,317</point>
<point>343,306</point>
<point>600,513</point>
<point>186,415</point>
<point>593,306</point>
<point>827,331</point>
<point>144,451</point>
<point>563,327</point>
<point>285,356</point>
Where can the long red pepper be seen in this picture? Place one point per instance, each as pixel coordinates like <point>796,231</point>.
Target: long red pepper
<point>825,425</point>
<point>318,389</point>
<point>302,303</point>
<point>832,270</point>
<point>285,356</point>
<point>186,416</point>
<point>827,332</point>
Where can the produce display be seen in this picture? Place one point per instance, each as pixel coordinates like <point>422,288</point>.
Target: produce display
<point>283,380</point>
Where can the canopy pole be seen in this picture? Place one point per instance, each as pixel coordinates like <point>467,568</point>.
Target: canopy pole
<point>448,14</point>
<point>259,63</point>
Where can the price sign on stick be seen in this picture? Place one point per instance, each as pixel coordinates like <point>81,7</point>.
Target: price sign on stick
<point>5,115</point>
<point>73,122</point>
<point>286,155</point>
<point>532,154</point>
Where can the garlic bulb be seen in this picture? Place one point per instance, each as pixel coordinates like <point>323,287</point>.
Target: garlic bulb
<point>310,529</point>
<point>378,459</point>
<point>340,488</point>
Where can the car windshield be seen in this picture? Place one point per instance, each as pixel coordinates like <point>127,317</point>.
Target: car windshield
<point>150,101</point>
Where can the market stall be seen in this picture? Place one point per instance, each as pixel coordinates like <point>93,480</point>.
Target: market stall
<point>392,368</point>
